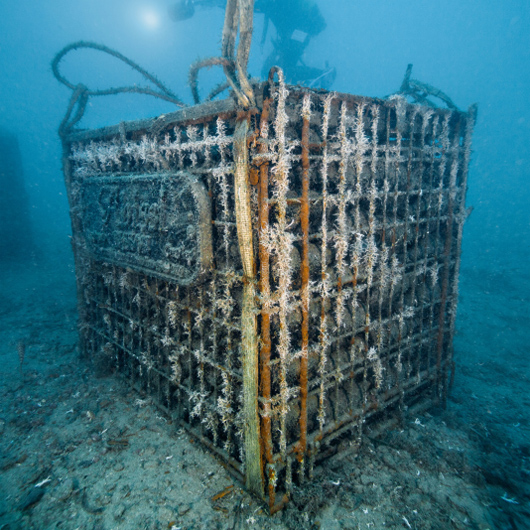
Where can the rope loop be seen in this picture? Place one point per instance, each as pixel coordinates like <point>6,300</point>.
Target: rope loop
<point>208,63</point>
<point>81,92</point>
<point>238,17</point>
<point>164,92</point>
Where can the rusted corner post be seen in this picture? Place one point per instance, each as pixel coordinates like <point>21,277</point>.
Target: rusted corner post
<point>304,221</point>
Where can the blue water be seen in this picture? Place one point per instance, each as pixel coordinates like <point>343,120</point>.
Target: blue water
<point>477,52</point>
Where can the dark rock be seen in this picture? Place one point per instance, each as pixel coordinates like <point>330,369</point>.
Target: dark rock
<point>33,496</point>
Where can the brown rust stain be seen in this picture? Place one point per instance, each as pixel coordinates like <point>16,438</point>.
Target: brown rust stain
<point>264,286</point>
<point>254,175</point>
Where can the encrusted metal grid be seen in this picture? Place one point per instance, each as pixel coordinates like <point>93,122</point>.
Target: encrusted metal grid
<point>357,213</point>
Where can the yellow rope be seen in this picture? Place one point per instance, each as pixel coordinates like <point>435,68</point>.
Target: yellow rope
<point>242,11</point>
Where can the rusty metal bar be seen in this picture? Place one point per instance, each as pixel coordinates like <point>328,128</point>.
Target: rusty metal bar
<point>442,377</point>
<point>264,286</point>
<point>423,264</point>
<point>323,336</point>
<point>304,272</point>
<point>461,217</point>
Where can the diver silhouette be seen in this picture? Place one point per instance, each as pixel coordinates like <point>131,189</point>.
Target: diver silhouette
<point>296,22</point>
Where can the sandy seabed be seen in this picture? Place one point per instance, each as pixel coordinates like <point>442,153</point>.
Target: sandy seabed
<point>82,451</point>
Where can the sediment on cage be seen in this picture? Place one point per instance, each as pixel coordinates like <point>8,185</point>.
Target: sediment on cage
<point>357,207</point>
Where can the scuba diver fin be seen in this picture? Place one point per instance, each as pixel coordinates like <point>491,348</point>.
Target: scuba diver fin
<point>311,77</point>
<point>324,80</point>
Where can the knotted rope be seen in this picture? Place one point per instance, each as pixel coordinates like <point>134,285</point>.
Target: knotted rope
<point>239,14</point>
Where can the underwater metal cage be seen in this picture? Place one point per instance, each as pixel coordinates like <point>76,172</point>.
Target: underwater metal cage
<point>356,207</point>
<point>278,270</point>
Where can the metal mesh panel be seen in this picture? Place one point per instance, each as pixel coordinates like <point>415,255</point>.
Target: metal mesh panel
<point>159,271</point>
<point>362,221</point>
<point>358,208</point>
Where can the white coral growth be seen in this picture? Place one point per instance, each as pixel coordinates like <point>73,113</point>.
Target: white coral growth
<point>373,357</point>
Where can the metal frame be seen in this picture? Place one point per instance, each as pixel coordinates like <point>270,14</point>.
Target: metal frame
<point>356,208</point>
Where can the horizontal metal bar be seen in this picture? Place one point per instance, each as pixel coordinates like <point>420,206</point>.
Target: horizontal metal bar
<point>188,115</point>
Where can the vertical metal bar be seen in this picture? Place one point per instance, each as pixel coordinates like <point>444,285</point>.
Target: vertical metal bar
<point>189,353</point>
<point>370,258</point>
<point>79,259</point>
<point>415,220</point>
<point>324,284</point>
<point>434,251</point>
<point>397,176</point>
<point>426,114</point>
<point>441,372</point>
<point>461,216</point>
<point>264,286</point>
<point>139,320</point>
<point>159,322</point>
<point>384,273</point>
<point>341,242</point>
<point>229,365</point>
<point>304,272</point>
<point>394,270</point>
<point>407,219</point>
<point>215,346</point>
<point>444,141</point>
<point>200,353</point>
